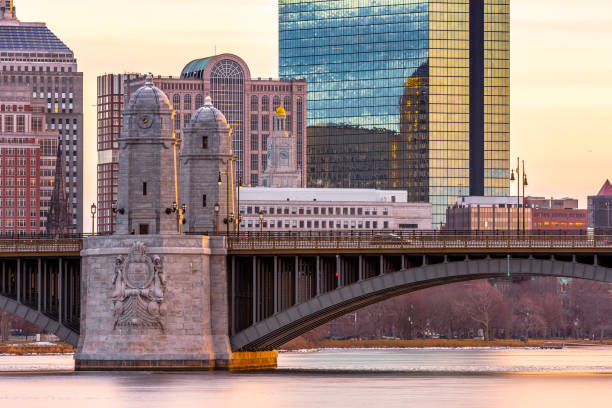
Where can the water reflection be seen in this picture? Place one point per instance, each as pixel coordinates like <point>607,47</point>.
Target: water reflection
<point>415,378</point>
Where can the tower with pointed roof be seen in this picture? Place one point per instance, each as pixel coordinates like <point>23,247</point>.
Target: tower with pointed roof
<point>148,184</point>
<point>207,176</point>
<point>600,210</point>
<point>59,220</point>
<point>281,164</point>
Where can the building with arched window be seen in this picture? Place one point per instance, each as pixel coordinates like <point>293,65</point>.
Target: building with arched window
<point>247,103</point>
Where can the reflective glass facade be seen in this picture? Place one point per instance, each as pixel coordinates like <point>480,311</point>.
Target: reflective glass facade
<point>392,101</point>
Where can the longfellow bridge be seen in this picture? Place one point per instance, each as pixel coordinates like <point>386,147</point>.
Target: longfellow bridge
<point>282,285</point>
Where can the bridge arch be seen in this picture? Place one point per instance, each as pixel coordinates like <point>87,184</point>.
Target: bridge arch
<point>39,319</point>
<point>282,327</point>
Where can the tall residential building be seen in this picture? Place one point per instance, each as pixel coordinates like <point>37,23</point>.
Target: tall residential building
<point>32,56</point>
<point>411,95</point>
<point>249,104</point>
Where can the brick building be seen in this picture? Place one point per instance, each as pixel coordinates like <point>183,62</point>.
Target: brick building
<point>27,163</point>
<point>557,215</point>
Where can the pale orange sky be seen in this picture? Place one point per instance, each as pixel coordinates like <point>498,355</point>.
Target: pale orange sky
<point>561,69</point>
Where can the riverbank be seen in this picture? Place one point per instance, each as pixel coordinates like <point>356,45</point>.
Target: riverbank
<point>438,343</point>
<point>39,348</point>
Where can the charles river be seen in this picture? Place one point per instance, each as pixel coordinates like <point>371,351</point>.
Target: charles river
<point>571,377</point>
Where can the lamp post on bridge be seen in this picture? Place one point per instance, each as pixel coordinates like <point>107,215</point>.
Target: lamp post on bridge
<point>518,193</point>
<point>93,218</point>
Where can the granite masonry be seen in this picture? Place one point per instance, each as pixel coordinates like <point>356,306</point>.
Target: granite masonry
<point>152,297</point>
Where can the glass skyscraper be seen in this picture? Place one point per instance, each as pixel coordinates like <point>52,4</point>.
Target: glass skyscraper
<point>404,94</point>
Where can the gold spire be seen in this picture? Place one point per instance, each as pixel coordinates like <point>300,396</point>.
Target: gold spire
<point>280,111</point>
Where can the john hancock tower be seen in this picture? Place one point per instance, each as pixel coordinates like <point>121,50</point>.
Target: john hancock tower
<point>404,94</point>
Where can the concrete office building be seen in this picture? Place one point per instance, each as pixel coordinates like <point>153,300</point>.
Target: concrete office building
<point>32,56</point>
<point>331,210</point>
<point>411,95</point>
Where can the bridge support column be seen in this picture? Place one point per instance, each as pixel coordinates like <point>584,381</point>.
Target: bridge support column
<point>318,272</point>
<point>39,285</point>
<point>18,280</point>
<point>60,292</point>
<point>254,290</point>
<point>338,272</point>
<point>382,265</point>
<point>296,282</point>
<point>361,277</point>
<point>275,284</point>
<point>156,302</point>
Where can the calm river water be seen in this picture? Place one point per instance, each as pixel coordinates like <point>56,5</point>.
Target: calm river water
<point>360,378</point>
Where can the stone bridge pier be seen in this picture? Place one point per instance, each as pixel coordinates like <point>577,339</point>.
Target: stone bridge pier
<point>157,302</point>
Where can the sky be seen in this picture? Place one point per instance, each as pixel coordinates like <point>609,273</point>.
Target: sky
<point>561,70</point>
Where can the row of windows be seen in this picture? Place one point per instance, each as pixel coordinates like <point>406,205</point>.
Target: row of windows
<point>176,101</point>
<point>317,224</point>
<point>265,103</point>
<point>315,210</point>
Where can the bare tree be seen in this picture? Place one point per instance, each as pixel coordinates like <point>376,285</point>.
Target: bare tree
<point>480,303</point>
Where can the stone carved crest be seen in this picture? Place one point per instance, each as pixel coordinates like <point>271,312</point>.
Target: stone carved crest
<point>139,288</point>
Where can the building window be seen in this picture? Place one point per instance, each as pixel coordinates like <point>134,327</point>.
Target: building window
<point>176,101</point>
<point>265,123</point>
<point>254,142</point>
<point>264,142</point>
<point>187,105</point>
<point>177,122</point>
<point>144,189</point>
<point>254,103</point>
<point>254,180</point>
<point>204,200</point>
<point>386,224</point>
<point>264,162</point>
<point>199,100</point>
<point>276,101</point>
<point>265,103</point>
<point>204,142</point>
<point>254,162</point>
<point>254,122</point>
<point>287,104</point>
<point>186,119</point>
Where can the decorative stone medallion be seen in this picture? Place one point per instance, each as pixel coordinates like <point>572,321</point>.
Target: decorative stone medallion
<point>139,288</point>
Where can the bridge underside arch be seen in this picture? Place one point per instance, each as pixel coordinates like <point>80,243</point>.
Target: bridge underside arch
<point>39,319</point>
<point>284,326</point>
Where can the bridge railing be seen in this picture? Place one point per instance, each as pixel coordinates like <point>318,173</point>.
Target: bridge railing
<point>40,245</point>
<point>279,241</point>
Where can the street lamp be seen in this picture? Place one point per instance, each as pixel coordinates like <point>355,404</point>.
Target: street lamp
<point>261,216</point>
<point>93,218</point>
<point>180,212</point>
<point>239,220</point>
<point>217,208</point>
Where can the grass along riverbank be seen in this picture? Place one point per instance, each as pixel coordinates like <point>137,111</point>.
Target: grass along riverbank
<point>25,348</point>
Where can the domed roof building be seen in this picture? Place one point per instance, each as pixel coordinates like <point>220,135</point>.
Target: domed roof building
<point>207,172</point>
<point>148,98</point>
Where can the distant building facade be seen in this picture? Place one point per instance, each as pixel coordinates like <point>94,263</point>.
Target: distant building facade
<point>111,92</point>
<point>27,163</point>
<point>600,210</point>
<point>560,215</point>
<point>32,56</point>
<point>331,210</point>
<point>488,214</point>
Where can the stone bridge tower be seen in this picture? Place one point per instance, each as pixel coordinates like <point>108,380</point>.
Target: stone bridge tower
<point>148,165</point>
<point>207,175</point>
<point>152,297</point>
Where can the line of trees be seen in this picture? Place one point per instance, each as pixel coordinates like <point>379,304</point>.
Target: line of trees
<point>540,308</point>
